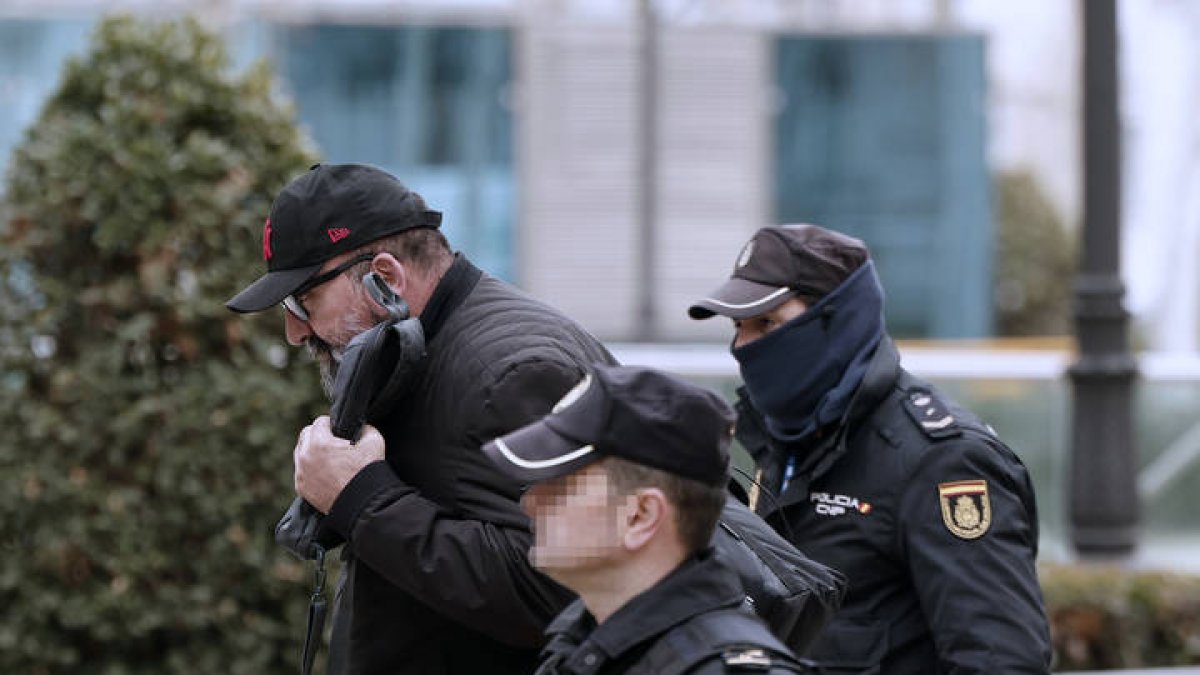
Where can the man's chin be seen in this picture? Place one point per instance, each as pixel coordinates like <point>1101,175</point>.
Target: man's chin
<point>328,354</point>
<point>542,562</point>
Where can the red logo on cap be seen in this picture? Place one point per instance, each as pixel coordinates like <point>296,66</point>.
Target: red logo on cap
<point>267,240</point>
<point>338,234</point>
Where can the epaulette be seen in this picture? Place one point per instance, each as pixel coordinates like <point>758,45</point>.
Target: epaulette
<point>747,660</point>
<point>931,414</point>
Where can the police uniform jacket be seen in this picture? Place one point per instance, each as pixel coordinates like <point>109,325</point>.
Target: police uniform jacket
<point>692,621</point>
<point>436,578</point>
<point>932,520</point>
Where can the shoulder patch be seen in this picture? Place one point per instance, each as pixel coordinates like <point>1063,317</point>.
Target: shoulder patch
<point>930,414</point>
<point>966,508</point>
<point>747,660</point>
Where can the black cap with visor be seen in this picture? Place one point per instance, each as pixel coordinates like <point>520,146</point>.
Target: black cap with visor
<point>331,210</point>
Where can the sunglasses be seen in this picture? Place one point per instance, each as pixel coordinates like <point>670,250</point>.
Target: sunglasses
<point>292,302</point>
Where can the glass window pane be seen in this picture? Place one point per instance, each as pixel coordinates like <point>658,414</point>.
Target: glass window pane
<point>883,138</point>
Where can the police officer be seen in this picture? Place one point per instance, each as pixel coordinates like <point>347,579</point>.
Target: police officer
<point>875,473</point>
<point>628,481</point>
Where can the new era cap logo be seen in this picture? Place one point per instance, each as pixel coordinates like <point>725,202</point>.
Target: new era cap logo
<point>338,233</point>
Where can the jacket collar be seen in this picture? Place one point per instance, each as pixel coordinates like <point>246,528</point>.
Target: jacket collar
<point>698,585</point>
<point>455,285</point>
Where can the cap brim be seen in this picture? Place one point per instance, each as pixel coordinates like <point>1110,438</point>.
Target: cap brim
<point>537,452</point>
<point>270,289</point>
<point>740,299</point>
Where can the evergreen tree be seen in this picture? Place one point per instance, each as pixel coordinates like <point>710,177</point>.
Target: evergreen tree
<point>147,431</point>
<point>1035,261</point>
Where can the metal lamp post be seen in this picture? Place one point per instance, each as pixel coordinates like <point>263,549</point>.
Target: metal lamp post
<point>1103,474</point>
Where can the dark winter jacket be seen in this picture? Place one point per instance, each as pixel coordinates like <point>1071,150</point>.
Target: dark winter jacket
<point>435,577</point>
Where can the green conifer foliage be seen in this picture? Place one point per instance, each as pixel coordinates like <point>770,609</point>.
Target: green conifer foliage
<point>145,451</point>
<point>1035,261</point>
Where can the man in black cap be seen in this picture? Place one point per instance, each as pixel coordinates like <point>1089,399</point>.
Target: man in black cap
<point>628,479</point>
<point>435,577</point>
<point>931,517</point>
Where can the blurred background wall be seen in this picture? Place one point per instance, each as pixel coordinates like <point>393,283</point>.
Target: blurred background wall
<point>610,155</point>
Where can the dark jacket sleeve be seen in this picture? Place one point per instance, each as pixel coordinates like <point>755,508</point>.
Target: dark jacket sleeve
<point>979,590</point>
<point>470,564</point>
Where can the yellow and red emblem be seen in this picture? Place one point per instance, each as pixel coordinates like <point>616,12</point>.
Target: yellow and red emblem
<point>966,508</point>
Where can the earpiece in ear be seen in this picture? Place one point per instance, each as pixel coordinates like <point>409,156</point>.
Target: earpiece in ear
<point>383,294</point>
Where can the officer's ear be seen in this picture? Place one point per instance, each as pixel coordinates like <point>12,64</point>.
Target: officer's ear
<point>647,518</point>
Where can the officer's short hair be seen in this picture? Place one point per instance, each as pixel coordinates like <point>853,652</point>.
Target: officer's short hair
<point>697,505</point>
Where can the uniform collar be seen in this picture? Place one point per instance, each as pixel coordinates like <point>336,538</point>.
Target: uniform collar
<point>879,379</point>
<point>882,373</point>
<point>698,585</point>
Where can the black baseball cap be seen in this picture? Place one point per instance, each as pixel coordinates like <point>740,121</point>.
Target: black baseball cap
<point>332,209</point>
<point>642,415</point>
<point>779,263</point>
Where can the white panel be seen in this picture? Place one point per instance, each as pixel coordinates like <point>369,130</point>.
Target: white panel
<point>714,186</point>
<point>577,233</point>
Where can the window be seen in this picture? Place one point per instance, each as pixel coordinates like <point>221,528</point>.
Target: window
<point>883,138</point>
<point>425,103</point>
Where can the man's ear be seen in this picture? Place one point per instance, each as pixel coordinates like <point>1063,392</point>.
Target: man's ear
<point>650,513</point>
<point>392,272</point>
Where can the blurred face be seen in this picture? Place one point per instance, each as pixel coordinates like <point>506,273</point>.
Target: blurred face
<point>577,524</point>
<point>749,330</point>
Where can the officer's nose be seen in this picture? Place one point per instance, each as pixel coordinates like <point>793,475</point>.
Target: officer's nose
<point>297,331</point>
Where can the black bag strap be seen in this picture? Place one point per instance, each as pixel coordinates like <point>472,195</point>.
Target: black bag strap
<point>316,614</point>
<point>764,491</point>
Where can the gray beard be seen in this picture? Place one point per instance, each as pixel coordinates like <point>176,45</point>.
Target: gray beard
<point>329,356</point>
<point>322,352</point>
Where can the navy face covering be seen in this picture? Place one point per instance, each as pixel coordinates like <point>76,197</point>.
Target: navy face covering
<point>802,375</point>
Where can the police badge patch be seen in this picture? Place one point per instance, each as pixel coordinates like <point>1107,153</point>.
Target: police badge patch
<point>966,509</point>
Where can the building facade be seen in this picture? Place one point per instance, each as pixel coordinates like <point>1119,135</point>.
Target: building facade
<point>610,156</point>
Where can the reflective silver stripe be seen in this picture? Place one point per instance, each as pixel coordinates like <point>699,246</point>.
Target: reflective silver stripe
<point>939,424</point>
<point>544,463</point>
<point>760,301</point>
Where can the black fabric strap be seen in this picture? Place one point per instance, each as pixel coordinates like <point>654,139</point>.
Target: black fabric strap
<point>316,615</point>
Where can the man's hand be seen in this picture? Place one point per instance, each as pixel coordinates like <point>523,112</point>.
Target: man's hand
<point>325,463</point>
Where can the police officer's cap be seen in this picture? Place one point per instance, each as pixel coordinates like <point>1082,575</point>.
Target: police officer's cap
<point>779,263</point>
<point>639,414</point>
